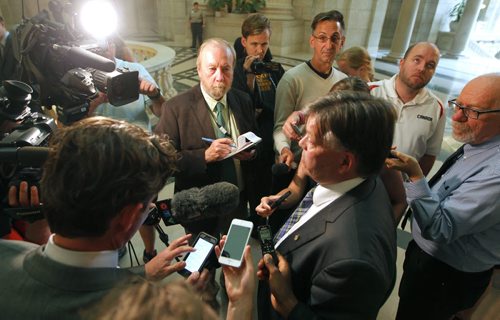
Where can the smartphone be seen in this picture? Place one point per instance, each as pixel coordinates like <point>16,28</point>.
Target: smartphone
<point>236,241</point>
<point>278,201</point>
<point>266,241</point>
<point>204,245</point>
<point>297,130</point>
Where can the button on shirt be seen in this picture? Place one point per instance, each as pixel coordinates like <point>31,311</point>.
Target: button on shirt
<point>322,197</point>
<point>458,220</point>
<point>420,124</point>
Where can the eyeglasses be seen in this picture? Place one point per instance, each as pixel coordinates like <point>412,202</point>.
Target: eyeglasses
<point>335,38</point>
<point>470,113</point>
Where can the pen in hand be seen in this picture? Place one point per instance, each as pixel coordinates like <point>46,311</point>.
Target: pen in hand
<point>210,140</point>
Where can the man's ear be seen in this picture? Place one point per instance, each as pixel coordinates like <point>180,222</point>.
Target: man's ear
<point>349,162</point>
<point>129,217</point>
<point>244,42</point>
<point>342,42</point>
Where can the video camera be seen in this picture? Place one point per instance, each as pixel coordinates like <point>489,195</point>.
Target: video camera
<point>67,75</point>
<point>259,66</point>
<point>22,145</point>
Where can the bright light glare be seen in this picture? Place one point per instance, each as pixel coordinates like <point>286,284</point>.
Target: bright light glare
<point>99,18</point>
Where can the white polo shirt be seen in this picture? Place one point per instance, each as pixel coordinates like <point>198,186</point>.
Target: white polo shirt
<point>420,124</point>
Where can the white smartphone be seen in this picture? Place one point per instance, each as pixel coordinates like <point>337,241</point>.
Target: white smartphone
<point>236,241</point>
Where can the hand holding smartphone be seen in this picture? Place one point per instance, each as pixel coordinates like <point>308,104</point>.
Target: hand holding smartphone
<point>236,241</point>
<point>266,242</point>
<point>204,245</point>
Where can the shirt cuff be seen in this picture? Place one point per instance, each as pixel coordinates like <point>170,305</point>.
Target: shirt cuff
<point>417,190</point>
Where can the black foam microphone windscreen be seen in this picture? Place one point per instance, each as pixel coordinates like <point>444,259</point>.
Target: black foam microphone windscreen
<point>213,200</point>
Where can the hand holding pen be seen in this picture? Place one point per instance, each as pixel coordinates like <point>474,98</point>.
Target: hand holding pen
<point>218,149</point>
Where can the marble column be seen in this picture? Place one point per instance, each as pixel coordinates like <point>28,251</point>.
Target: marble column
<point>465,27</point>
<point>404,29</point>
<point>278,9</point>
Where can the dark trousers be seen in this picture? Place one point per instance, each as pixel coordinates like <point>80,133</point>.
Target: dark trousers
<point>431,289</point>
<point>197,32</point>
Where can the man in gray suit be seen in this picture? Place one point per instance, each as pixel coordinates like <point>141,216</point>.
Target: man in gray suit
<point>338,249</point>
<point>98,183</point>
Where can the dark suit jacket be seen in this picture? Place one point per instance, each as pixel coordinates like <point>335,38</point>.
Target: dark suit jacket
<point>185,119</point>
<point>343,260</point>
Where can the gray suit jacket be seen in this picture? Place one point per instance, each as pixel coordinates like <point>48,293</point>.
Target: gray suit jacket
<point>33,286</point>
<point>343,260</point>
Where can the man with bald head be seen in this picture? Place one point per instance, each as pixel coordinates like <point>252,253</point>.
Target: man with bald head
<point>421,120</point>
<point>456,216</point>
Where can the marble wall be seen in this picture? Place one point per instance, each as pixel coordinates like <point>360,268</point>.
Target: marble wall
<point>369,23</point>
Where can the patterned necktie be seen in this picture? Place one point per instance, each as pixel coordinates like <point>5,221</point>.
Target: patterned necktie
<point>296,215</point>
<point>221,124</point>
<point>228,170</point>
<point>435,178</point>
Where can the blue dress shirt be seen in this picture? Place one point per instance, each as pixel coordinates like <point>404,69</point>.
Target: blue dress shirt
<point>458,220</point>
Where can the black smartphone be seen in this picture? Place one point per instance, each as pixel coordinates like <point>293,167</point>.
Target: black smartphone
<point>266,241</point>
<point>204,245</point>
<point>278,201</point>
<point>297,130</point>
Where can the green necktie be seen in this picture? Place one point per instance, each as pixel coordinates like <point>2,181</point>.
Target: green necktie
<point>228,171</point>
<point>221,124</point>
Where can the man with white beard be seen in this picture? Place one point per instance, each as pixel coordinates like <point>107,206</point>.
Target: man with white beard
<point>456,215</point>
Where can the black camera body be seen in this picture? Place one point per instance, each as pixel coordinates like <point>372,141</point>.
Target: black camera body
<point>23,140</point>
<point>259,66</point>
<point>68,75</point>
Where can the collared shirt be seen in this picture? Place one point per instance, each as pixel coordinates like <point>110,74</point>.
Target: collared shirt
<point>82,259</point>
<point>322,197</point>
<point>232,129</point>
<point>196,16</point>
<point>458,220</point>
<point>420,124</point>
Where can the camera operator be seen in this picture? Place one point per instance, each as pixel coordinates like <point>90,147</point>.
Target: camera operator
<point>94,204</point>
<point>137,113</point>
<point>257,75</point>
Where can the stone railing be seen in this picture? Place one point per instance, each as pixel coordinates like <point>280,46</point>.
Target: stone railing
<point>157,59</point>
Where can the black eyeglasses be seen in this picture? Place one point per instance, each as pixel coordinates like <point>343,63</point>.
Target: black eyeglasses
<point>470,113</point>
<point>335,38</point>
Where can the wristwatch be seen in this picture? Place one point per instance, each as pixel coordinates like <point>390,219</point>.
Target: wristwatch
<point>157,95</point>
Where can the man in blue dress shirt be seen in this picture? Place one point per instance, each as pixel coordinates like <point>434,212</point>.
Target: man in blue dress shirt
<point>456,216</point>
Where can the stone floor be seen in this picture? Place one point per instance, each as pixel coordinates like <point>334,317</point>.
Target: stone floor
<point>450,77</point>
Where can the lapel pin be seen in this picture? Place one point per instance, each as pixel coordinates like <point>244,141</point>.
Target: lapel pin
<point>296,237</point>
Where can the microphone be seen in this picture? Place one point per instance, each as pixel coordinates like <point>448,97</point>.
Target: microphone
<point>24,156</point>
<point>201,203</point>
<point>196,204</point>
<point>84,58</point>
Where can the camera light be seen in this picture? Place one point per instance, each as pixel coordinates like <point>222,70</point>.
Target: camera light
<point>99,18</point>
